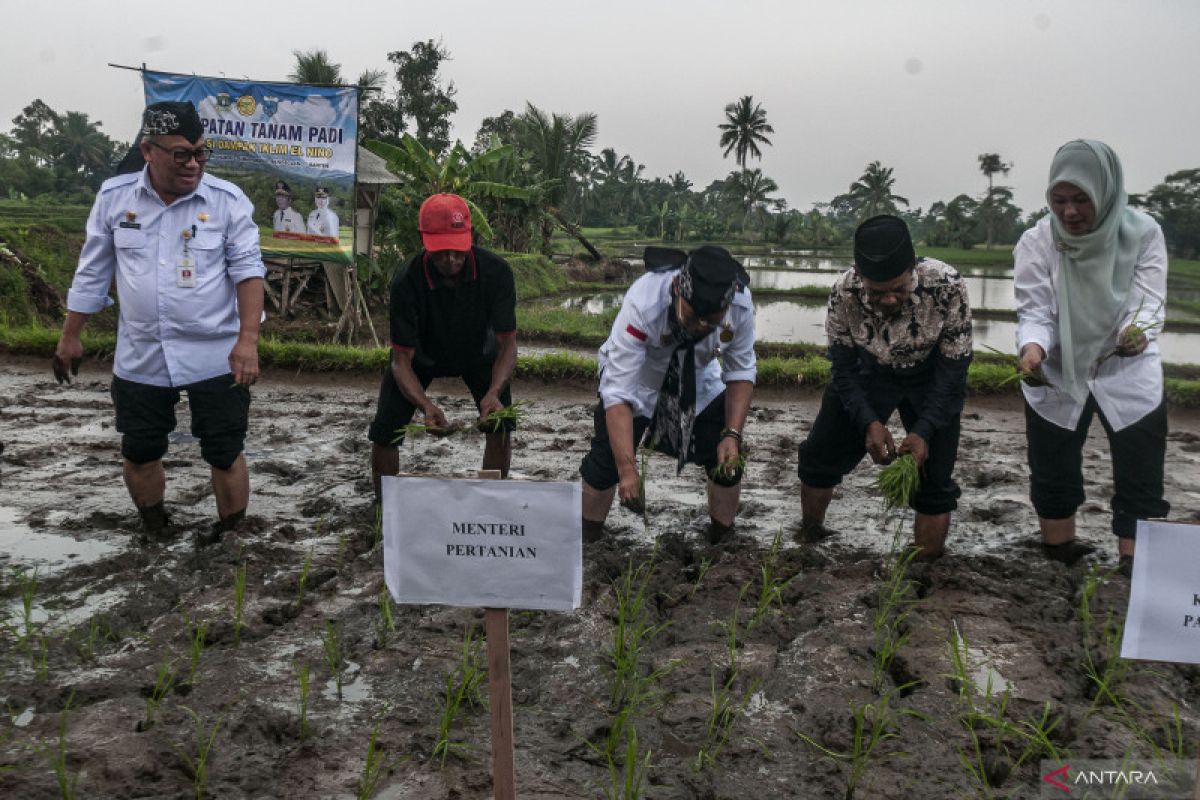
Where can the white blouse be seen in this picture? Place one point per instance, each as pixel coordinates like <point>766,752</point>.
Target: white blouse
<point>1125,388</point>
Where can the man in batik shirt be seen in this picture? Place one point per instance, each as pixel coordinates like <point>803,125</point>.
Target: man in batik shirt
<point>899,333</point>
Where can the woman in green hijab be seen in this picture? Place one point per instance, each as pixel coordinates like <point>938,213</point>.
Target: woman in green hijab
<point>1090,281</point>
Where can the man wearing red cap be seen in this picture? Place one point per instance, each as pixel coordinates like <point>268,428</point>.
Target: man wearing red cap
<point>453,314</point>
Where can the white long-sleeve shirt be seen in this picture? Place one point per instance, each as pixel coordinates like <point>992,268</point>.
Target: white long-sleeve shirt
<point>634,359</point>
<point>1126,389</point>
<point>168,335</point>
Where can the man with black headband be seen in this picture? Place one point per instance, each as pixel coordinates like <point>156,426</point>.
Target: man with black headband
<point>899,332</point>
<point>660,381</point>
<point>182,248</point>
<point>452,314</point>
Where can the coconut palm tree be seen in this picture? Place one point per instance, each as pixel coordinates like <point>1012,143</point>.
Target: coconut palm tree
<point>991,208</point>
<point>557,147</point>
<point>314,66</point>
<point>991,164</point>
<point>83,153</point>
<point>747,189</point>
<point>872,194</point>
<point>745,127</point>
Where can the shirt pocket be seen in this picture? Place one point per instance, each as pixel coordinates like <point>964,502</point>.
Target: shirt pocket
<point>207,249</point>
<point>131,250</point>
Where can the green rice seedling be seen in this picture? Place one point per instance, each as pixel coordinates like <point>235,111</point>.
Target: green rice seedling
<point>494,421</point>
<point>302,676</point>
<point>701,573</point>
<point>894,601</point>
<point>771,586</point>
<point>1102,662</point>
<point>730,626</point>
<point>387,621</point>
<point>196,650</point>
<point>899,481</point>
<point>164,680</point>
<point>26,627</point>
<point>874,724</point>
<point>87,648</point>
<point>197,765</point>
<point>343,541</point>
<point>632,632</point>
<point>625,781</point>
<point>638,504</point>
<point>305,568</point>
<point>239,601</point>
<point>1030,377</point>
<point>334,658</point>
<point>56,754</point>
<point>463,685</point>
<point>723,715</point>
<point>1037,732</point>
<point>1128,339</point>
<point>374,766</point>
<point>733,466</point>
<point>378,527</point>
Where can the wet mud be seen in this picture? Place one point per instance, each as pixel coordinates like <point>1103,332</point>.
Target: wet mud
<point>112,616</point>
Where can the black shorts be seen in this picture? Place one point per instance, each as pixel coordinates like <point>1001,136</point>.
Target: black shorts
<point>835,445</point>
<point>146,414</point>
<point>394,410</point>
<point>599,467</point>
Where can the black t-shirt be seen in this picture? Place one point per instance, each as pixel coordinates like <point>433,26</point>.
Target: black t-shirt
<point>451,327</point>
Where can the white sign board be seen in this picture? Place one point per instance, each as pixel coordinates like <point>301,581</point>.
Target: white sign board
<point>1163,623</point>
<point>483,543</point>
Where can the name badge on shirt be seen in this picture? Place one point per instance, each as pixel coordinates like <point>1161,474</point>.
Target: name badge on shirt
<point>185,273</point>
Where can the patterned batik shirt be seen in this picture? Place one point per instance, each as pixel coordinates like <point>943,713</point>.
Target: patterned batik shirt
<point>922,352</point>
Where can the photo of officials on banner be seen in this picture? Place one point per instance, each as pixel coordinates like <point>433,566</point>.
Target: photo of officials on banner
<point>290,147</point>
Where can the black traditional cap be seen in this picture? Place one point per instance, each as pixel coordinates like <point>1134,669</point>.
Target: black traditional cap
<point>321,192</point>
<point>282,188</point>
<point>883,248</point>
<point>709,279</point>
<point>171,118</point>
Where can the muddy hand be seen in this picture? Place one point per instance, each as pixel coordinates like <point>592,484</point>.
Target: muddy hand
<point>629,489</point>
<point>64,371</point>
<point>880,445</point>
<point>1131,342</point>
<point>916,446</point>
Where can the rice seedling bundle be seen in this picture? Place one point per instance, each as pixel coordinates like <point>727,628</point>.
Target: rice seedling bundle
<point>899,481</point>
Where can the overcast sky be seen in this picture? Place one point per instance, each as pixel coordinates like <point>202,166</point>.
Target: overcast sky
<point>924,86</point>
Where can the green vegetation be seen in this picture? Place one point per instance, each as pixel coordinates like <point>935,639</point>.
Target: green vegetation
<point>335,658</point>
<point>197,765</point>
<point>463,686</point>
<point>899,481</point>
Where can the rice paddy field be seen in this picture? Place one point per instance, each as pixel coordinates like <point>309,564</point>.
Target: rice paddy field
<point>273,664</point>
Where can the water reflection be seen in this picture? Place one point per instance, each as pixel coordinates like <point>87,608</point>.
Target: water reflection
<point>801,321</point>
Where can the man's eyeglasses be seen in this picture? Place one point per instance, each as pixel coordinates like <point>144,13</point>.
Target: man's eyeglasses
<point>182,155</point>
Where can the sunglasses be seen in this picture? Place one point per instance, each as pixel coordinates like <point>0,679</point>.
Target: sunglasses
<point>182,155</point>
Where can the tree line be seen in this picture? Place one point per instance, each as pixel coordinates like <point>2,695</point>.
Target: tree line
<point>532,171</point>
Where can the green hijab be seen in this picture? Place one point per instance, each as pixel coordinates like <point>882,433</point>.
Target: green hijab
<point>1096,268</point>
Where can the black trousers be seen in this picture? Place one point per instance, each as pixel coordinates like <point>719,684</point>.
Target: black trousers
<point>1138,454</point>
<point>835,445</point>
<point>599,467</point>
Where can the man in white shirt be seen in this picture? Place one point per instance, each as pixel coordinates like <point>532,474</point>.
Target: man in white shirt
<point>322,221</point>
<point>286,218</point>
<point>182,248</point>
<point>660,380</point>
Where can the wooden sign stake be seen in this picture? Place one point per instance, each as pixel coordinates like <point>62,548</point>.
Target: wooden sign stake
<point>495,626</point>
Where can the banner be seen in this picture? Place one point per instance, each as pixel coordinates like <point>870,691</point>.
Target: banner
<point>482,543</point>
<point>289,146</point>
<point>1163,620</point>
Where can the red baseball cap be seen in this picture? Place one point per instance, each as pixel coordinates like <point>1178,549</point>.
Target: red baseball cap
<point>445,223</point>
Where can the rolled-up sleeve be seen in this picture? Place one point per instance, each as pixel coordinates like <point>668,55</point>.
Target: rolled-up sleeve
<point>97,262</point>
<point>243,258</point>
<point>625,353</point>
<point>738,361</point>
<point>1147,304</point>
<point>1037,307</point>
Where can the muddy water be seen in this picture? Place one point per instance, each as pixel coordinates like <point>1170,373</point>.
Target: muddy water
<point>112,609</point>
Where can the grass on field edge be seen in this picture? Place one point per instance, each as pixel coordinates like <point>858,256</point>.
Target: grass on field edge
<point>777,367</point>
